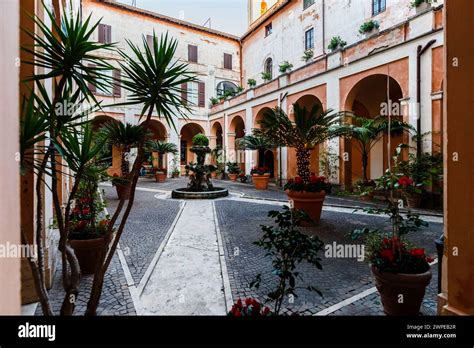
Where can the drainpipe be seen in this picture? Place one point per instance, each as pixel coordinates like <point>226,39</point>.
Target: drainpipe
<point>324,25</point>
<point>420,52</point>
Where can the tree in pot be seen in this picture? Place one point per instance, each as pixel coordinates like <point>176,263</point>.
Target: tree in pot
<point>233,169</point>
<point>162,148</point>
<point>310,129</point>
<point>260,174</point>
<point>401,270</point>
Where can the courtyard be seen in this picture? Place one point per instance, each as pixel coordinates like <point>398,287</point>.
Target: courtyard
<point>197,257</point>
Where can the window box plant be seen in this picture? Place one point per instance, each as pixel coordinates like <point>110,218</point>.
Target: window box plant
<point>307,55</point>
<point>421,5</point>
<point>251,83</point>
<point>266,76</point>
<point>233,169</point>
<point>336,43</point>
<point>285,67</point>
<point>369,28</point>
<point>260,177</point>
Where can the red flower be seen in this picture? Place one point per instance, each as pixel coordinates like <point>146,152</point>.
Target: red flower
<point>298,180</point>
<point>86,211</point>
<point>266,311</point>
<point>239,303</point>
<point>429,259</point>
<point>405,181</point>
<point>386,241</point>
<point>387,254</point>
<point>417,252</point>
<point>248,301</point>
<point>313,179</point>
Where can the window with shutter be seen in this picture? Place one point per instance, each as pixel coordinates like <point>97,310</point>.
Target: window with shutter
<point>105,33</point>
<point>149,40</point>
<point>90,85</point>
<point>117,83</point>
<point>227,61</point>
<point>201,94</point>
<point>184,93</point>
<point>192,53</point>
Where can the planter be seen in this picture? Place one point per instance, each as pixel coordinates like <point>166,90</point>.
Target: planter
<point>123,191</point>
<point>371,33</point>
<point>367,198</point>
<point>392,285</point>
<point>261,181</point>
<point>309,202</point>
<point>413,200</point>
<point>160,177</point>
<point>213,175</point>
<point>424,6</point>
<point>88,253</point>
<point>233,177</point>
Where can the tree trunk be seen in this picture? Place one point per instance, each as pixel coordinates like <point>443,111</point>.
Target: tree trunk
<point>365,163</point>
<point>303,163</point>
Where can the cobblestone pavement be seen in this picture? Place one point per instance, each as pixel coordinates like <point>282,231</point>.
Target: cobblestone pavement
<point>340,278</point>
<point>115,300</point>
<point>146,227</point>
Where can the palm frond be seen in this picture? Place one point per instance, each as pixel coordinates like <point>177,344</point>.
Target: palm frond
<point>161,147</point>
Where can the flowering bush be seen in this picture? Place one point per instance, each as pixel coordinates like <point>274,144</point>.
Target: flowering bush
<point>315,184</point>
<point>249,308</point>
<point>408,185</point>
<point>392,254</point>
<point>260,170</point>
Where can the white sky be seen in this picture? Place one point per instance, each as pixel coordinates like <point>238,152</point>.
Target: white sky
<point>229,16</point>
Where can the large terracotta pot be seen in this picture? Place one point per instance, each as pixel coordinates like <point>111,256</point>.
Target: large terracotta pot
<point>401,294</point>
<point>260,181</point>
<point>309,202</point>
<point>123,191</point>
<point>413,200</point>
<point>88,253</point>
<point>160,177</point>
<point>233,177</point>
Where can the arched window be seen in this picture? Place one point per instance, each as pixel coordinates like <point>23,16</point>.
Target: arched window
<point>224,86</point>
<point>269,67</point>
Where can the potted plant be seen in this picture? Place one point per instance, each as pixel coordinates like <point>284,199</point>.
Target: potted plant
<point>336,43</point>
<point>250,307</point>
<point>366,189</point>
<point>369,28</point>
<point>401,270</point>
<point>160,174</point>
<point>251,83</point>
<point>307,55</point>
<point>421,5</point>
<point>122,186</point>
<point>308,130</point>
<point>162,148</point>
<point>233,169</point>
<point>214,101</point>
<point>285,67</point>
<point>260,177</point>
<point>266,76</point>
<point>243,178</point>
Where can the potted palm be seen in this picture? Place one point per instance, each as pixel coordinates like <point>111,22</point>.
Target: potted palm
<point>260,174</point>
<point>124,137</point>
<point>233,169</point>
<point>162,148</point>
<point>310,128</point>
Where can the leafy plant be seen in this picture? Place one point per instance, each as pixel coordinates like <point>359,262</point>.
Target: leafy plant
<point>314,184</point>
<point>214,101</point>
<point>416,3</point>
<point>243,178</point>
<point>307,55</point>
<point>288,247</point>
<point>200,140</point>
<point>336,42</point>
<point>368,26</point>
<point>233,168</point>
<point>285,66</point>
<point>251,83</point>
<point>249,308</point>
<point>162,148</point>
<point>258,143</point>
<point>240,89</point>
<point>266,76</point>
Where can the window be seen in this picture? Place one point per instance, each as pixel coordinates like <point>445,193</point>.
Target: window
<point>307,3</point>
<point>184,152</point>
<point>269,67</point>
<point>227,61</point>
<point>105,33</point>
<point>107,89</point>
<point>378,6</point>
<point>224,86</point>
<point>309,39</point>
<point>194,94</point>
<point>192,53</point>
<point>268,29</point>
<point>149,40</point>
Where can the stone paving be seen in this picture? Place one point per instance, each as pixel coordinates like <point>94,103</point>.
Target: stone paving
<point>339,279</point>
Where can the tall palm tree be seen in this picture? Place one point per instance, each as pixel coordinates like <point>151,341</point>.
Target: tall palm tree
<point>310,128</point>
<point>162,148</point>
<point>369,131</point>
<point>254,142</point>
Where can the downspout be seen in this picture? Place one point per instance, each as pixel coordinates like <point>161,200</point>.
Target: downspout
<point>324,26</point>
<point>420,52</point>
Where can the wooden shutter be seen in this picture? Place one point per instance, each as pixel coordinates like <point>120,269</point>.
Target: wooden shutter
<point>201,94</point>
<point>184,93</point>
<point>117,83</point>
<point>227,61</point>
<point>149,40</point>
<point>109,33</point>
<point>192,53</point>
<point>92,87</point>
<point>102,34</point>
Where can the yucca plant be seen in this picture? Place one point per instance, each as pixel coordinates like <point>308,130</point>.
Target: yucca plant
<point>310,128</point>
<point>162,148</point>
<point>153,76</point>
<point>258,143</point>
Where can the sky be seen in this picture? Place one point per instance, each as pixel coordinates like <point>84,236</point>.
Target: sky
<point>229,16</point>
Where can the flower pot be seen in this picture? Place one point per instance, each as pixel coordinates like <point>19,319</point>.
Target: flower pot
<point>213,175</point>
<point>233,177</point>
<point>160,177</point>
<point>424,6</point>
<point>401,294</point>
<point>309,202</point>
<point>413,200</point>
<point>88,253</point>
<point>260,181</point>
<point>123,191</point>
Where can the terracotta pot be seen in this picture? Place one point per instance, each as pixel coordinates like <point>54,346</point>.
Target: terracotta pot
<point>309,202</point>
<point>392,285</point>
<point>88,253</point>
<point>260,181</point>
<point>123,191</point>
<point>160,177</point>
<point>233,177</point>
<point>413,200</point>
<point>367,198</point>
<point>213,175</point>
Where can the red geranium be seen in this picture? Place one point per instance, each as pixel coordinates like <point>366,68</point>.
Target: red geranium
<point>387,254</point>
<point>417,252</point>
<point>405,181</point>
<point>298,180</point>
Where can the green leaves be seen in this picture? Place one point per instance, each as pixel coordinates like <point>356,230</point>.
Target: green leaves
<point>255,142</point>
<point>161,147</point>
<point>123,136</point>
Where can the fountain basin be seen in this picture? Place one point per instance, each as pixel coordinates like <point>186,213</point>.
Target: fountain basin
<point>186,193</point>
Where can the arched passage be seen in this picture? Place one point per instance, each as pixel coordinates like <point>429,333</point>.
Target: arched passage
<point>236,131</point>
<point>110,155</point>
<point>188,131</point>
<point>216,142</point>
<point>267,158</point>
<point>157,131</point>
<point>372,96</point>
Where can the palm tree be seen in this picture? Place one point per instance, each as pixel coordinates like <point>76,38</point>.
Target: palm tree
<point>124,137</point>
<point>162,148</point>
<point>310,129</point>
<point>256,142</point>
<point>369,131</point>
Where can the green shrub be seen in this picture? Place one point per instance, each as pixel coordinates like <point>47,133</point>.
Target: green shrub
<point>307,55</point>
<point>336,42</point>
<point>252,83</point>
<point>200,140</point>
<point>285,66</point>
<point>368,26</point>
<point>266,76</point>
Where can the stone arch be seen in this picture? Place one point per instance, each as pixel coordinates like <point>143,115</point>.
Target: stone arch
<point>111,155</point>
<point>236,131</point>
<point>186,134</point>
